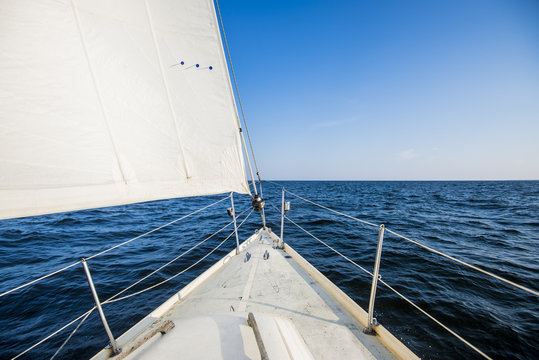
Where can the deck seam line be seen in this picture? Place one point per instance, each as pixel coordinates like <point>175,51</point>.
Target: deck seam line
<point>247,290</point>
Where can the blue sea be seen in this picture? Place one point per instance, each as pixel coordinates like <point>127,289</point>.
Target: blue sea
<point>490,224</point>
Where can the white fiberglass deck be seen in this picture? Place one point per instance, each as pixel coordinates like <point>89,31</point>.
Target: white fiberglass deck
<point>297,317</point>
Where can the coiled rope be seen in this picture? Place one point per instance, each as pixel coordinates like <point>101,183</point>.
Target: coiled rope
<point>111,248</point>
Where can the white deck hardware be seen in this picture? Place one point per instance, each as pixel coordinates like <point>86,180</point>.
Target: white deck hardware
<point>299,314</point>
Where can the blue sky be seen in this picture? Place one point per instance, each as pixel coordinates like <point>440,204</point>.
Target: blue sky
<point>375,90</point>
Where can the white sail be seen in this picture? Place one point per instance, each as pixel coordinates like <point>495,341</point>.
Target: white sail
<point>113,102</point>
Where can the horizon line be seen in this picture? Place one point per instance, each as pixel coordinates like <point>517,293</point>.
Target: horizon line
<point>401,180</point>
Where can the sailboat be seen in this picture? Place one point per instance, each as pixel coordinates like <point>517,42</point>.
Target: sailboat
<point>116,102</point>
<point>110,103</point>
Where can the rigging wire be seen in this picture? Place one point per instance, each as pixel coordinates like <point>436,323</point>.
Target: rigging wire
<point>71,335</point>
<point>328,246</point>
<point>171,261</point>
<point>334,211</point>
<point>39,279</point>
<point>157,228</point>
<point>398,293</point>
<point>181,272</point>
<point>325,244</point>
<point>54,333</point>
<point>111,248</point>
<point>521,287</point>
<point>110,300</point>
<point>238,94</point>
<point>435,320</point>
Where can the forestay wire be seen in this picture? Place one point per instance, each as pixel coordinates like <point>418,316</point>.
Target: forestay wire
<point>112,248</point>
<point>238,94</point>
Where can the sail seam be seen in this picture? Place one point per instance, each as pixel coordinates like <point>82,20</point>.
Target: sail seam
<point>167,90</point>
<point>98,93</point>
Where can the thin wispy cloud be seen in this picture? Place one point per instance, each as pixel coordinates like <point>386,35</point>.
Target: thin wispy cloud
<point>408,154</point>
<point>328,124</point>
<point>336,123</point>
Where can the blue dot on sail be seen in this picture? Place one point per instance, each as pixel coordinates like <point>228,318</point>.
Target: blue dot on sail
<point>197,65</point>
<point>182,62</point>
<point>211,67</point>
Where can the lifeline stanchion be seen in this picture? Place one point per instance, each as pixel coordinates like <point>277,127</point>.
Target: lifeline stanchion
<point>235,227</point>
<point>282,220</point>
<point>115,348</point>
<point>111,248</point>
<point>371,320</point>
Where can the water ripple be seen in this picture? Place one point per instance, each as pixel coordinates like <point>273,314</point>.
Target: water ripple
<point>490,224</point>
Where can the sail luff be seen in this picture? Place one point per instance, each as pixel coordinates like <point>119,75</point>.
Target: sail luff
<point>241,140</point>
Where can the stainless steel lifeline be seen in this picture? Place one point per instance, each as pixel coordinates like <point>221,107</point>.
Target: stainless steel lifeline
<point>235,227</point>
